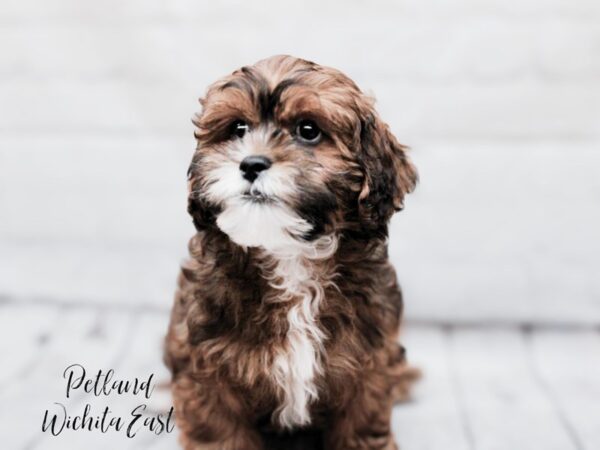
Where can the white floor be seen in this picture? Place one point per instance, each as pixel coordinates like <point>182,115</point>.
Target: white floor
<point>484,388</point>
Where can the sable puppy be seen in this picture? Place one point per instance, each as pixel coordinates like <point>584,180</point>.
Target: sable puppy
<point>284,329</point>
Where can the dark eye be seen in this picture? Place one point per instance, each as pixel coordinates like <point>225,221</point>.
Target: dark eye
<point>239,128</point>
<point>308,131</point>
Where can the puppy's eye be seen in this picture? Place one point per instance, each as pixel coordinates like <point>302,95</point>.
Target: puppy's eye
<point>239,128</point>
<point>308,132</point>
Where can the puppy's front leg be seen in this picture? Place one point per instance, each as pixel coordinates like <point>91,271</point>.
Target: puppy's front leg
<point>211,418</point>
<point>365,423</point>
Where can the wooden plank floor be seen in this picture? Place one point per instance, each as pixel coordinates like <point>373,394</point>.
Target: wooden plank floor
<point>483,389</point>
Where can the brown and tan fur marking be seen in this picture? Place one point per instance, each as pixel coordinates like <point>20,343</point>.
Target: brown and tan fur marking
<point>291,343</point>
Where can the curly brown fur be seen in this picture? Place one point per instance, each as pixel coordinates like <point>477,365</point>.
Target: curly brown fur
<point>285,324</point>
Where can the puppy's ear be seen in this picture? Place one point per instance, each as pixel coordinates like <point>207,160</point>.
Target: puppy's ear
<point>203,214</point>
<point>388,172</point>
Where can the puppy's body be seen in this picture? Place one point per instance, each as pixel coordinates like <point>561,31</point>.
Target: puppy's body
<point>286,318</point>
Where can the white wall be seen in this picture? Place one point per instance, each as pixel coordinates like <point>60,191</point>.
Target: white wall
<point>500,101</point>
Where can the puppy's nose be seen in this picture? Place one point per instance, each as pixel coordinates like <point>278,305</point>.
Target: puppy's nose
<point>251,166</point>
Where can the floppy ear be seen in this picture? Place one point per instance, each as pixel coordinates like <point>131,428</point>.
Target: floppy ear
<point>388,173</point>
<point>203,214</point>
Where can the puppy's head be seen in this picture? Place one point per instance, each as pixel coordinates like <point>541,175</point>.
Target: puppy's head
<point>290,152</point>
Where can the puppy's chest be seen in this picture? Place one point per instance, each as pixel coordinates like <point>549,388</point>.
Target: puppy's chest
<point>298,359</point>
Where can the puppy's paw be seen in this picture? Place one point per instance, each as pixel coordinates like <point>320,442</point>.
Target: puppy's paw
<point>405,377</point>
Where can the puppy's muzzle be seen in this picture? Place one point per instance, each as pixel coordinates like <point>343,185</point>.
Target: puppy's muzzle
<point>251,166</point>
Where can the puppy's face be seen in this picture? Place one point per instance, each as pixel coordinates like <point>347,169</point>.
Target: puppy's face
<point>290,152</point>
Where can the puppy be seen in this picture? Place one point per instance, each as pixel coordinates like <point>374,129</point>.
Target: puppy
<point>284,329</point>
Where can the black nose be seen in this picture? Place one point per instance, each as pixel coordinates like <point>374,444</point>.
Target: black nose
<point>252,165</point>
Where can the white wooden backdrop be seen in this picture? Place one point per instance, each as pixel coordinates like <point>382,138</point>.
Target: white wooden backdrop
<point>500,101</point>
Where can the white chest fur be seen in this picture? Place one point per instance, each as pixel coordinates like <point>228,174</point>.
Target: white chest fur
<point>299,361</point>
